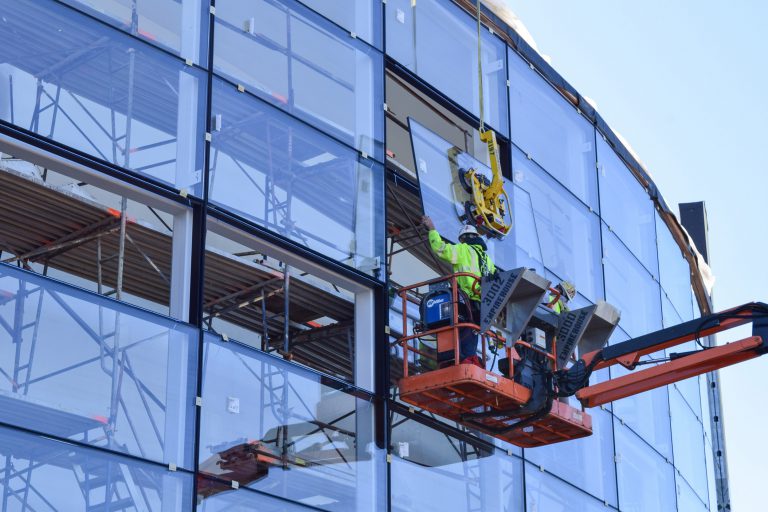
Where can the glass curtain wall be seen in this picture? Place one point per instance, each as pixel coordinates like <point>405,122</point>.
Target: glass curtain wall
<point>99,397</point>
<point>103,402</point>
<point>287,55</point>
<point>580,214</point>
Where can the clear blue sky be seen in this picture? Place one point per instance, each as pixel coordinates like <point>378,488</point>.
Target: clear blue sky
<point>684,83</point>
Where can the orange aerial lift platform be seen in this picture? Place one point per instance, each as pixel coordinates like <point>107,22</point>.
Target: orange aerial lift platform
<point>522,393</point>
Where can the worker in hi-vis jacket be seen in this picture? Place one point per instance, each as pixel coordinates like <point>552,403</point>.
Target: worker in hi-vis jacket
<point>559,302</point>
<point>469,255</point>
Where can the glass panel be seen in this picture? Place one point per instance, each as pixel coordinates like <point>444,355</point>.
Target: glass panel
<point>689,388</point>
<point>630,288</point>
<point>569,460</point>
<point>102,92</point>
<point>438,42</point>
<point>296,181</point>
<point>361,17</point>
<point>548,128</point>
<point>306,66</point>
<point>568,233</point>
<point>674,272</point>
<point>307,441</point>
<point>218,496</point>
<point>526,233</point>
<point>94,370</point>
<point>626,207</point>
<point>687,501</point>
<point>399,17</point>
<point>42,474</point>
<point>432,470</point>
<point>437,161</point>
<point>688,444</point>
<point>646,480</point>
<point>546,493</point>
<point>178,26</point>
<point>647,413</point>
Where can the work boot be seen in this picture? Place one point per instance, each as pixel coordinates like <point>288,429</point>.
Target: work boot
<point>473,360</point>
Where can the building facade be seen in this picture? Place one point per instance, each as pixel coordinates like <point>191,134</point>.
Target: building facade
<point>205,208</point>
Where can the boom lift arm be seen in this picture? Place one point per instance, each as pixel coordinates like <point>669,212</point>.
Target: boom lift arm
<point>680,366</point>
<point>522,398</point>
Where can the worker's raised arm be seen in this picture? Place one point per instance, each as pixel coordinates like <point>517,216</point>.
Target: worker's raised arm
<point>445,251</point>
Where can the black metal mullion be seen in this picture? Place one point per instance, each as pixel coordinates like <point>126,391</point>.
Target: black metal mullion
<point>199,231</point>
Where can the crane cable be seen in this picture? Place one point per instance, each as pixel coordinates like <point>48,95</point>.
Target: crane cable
<point>480,68</point>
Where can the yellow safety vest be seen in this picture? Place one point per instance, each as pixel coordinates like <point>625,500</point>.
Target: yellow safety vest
<point>463,258</point>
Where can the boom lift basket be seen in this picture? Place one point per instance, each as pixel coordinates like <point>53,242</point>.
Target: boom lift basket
<point>525,402</point>
<point>482,399</point>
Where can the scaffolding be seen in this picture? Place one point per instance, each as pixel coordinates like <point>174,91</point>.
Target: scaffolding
<point>130,259</point>
<point>116,482</point>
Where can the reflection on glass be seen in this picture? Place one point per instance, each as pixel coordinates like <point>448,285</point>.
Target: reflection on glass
<point>432,470</point>
<point>438,41</point>
<point>549,129</point>
<point>630,288</point>
<point>674,272</point>
<point>87,368</point>
<point>179,26</point>
<point>437,164</point>
<point>363,17</point>
<point>568,232</point>
<point>243,500</point>
<point>276,428</point>
<point>102,92</point>
<point>544,492</point>
<point>289,56</point>
<point>626,207</point>
<point>646,480</point>
<point>688,444</point>
<point>37,473</point>
<point>569,459</point>
<point>296,181</point>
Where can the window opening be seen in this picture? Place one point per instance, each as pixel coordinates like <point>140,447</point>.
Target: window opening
<point>254,295</point>
<point>108,239</point>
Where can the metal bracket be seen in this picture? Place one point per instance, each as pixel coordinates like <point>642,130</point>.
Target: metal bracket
<point>367,264</point>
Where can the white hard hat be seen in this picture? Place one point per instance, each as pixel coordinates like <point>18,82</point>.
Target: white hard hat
<point>568,289</point>
<point>467,230</point>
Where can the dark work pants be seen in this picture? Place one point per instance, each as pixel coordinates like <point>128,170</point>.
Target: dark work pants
<point>467,337</point>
